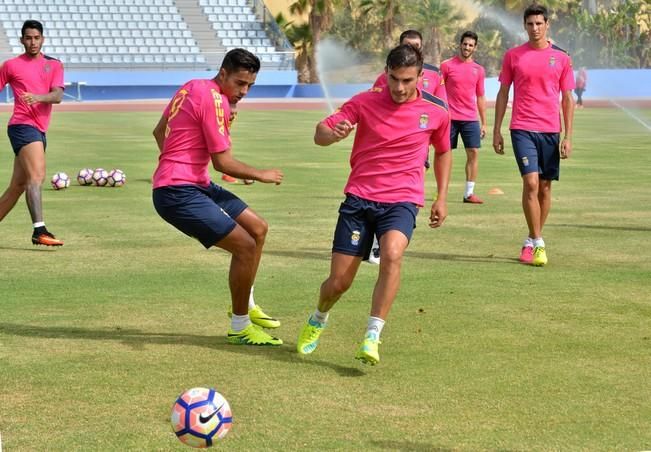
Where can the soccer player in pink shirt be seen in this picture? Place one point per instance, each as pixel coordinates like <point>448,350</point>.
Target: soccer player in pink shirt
<point>431,82</point>
<point>37,82</point>
<point>540,72</point>
<point>192,134</point>
<point>464,83</point>
<point>385,188</point>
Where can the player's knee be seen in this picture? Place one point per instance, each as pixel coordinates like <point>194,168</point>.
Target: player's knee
<point>340,284</point>
<point>260,230</point>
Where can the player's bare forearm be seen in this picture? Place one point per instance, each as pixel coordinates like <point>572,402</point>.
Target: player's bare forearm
<point>225,163</point>
<point>500,109</point>
<point>481,108</point>
<point>567,105</point>
<point>159,132</point>
<point>442,169</point>
<point>53,97</point>
<point>325,136</point>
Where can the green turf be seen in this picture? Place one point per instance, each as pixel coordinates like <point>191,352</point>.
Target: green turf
<point>480,353</point>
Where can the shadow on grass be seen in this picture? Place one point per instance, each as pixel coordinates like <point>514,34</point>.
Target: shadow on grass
<point>39,249</point>
<point>138,339</point>
<point>462,257</point>
<point>321,254</point>
<point>601,226</point>
<point>410,445</point>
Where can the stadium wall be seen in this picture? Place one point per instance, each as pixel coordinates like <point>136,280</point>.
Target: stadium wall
<point>106,85</point>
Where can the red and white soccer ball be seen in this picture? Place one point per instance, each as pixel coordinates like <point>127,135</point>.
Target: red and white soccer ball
<point>60,181</point>
<point>117,178</point>
<point>100,177</point>
<point>85,176</point>
<point>201,416</point>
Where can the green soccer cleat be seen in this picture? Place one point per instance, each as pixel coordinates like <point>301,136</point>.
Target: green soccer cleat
<point>539,256</point>
<point>368,351</point>
<point>258,316</point>
<point>252,335</point>
<point>309,337</point>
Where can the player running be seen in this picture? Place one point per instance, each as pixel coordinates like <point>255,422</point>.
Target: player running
<point>395,126</point>
<point>37,82</point>
<point>192,133</point>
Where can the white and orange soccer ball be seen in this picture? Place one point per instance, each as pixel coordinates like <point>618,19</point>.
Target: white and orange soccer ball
<point>117,178</point>
<point>60,181</point>
<point>201,416</point>
<point>100,177</point>
<point>85,176</point>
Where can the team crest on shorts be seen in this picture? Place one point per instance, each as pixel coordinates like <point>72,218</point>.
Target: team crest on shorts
<point>354,238</point>
<point>525,161</point>
<point>552,61</point>
<point>423,121</point>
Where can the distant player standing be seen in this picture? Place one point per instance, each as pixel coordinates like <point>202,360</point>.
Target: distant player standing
<point>395,126</point>
<point>192,133</point>
<point>464,84</point>
<point>540,72</point>
<point>37,82</point>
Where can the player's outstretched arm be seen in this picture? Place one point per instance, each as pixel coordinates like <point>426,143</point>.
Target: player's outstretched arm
<point>225,163</point>
<point>500,109</point>
<point>325,136</point>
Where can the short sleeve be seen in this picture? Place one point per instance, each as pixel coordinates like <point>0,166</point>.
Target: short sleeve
<point>214,113</point>
<point>4,75</point>
<point>481,76</point>
<point>57,75</point>
<point>348,111</point>
<point>440,137</point>
<point>567,77</point>
<point>506,74</point>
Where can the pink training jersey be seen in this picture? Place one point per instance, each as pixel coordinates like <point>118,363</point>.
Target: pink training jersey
<point>197,126</point>
<point>391,144</point>
<point>431,83</point>
<point>538,77</point>
<point>464,83</point>
<point>37,75</point>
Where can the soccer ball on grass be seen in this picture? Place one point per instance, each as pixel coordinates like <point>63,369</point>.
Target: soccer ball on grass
<point>85,176</point>
<point>60,181</point>
<point>116,178</point>
<point>201,416</point>
<point>100,177</point>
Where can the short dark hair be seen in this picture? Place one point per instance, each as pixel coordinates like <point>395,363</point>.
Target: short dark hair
<point>31,24</point>
<point>536,10</point>
<point>469,34</point>
<point>405,56</point>
<point>410,34</point>
<point>238,59</point>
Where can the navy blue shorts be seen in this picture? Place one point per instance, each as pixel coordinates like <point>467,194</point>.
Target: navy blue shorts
<point>537,152</point>
<point>21,135</point>
<point>470,134</point>
<point>359,220</point>
<point>205,213</point>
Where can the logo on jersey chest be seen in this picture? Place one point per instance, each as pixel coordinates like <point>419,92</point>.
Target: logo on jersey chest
<point>425,82</point>
<point>423,121</point>
<point>47,68</point>
<point>552,61</point>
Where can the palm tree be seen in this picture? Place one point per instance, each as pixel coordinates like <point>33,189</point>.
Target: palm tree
<point>300,36</point>
<point>387,12</point>
<point>437,20</point>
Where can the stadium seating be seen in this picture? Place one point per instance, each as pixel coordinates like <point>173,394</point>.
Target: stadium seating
<point>135,33</point>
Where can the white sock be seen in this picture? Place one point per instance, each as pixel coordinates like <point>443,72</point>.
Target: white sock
<point>528,242</point>
<point>374,326</point>
<point>251,300</point>
<point>376,244</point>
<point>239,322</point>
<point>539,242</point>
<point>321,317</point>
<point>470,188</point>
<point>39,224</point>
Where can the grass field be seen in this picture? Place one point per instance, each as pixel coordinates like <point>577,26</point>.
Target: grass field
<point>480,353</point>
